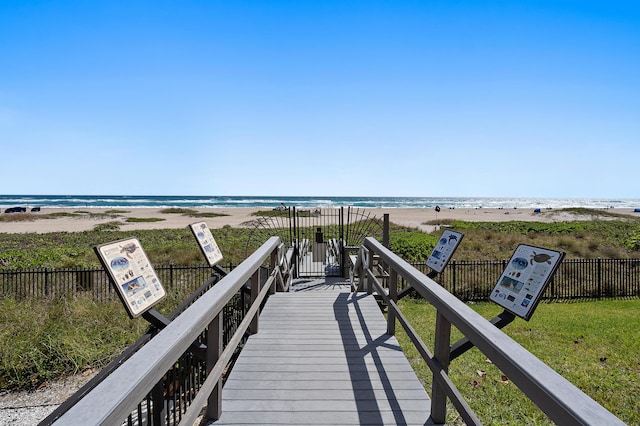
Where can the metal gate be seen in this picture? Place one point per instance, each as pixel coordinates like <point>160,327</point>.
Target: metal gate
<point>320,236</point>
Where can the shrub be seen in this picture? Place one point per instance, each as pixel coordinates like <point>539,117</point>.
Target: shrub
<point>412,246</point>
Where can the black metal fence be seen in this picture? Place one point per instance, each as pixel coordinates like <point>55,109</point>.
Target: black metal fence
<point>92,283</point>
<point>467,280</point>
<point>574,279</point>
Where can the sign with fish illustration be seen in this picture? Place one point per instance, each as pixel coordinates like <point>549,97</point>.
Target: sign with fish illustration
<point>525,279</point>
<point>206,242</point>
<point>131,274</point>
<point>444,249</point>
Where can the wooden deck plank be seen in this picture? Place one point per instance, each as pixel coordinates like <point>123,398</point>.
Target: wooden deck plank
<point>319,394</point>
<point>323,357</point>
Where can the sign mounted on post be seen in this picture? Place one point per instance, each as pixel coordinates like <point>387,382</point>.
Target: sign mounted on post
<point>444,249</point>
<point>131,274</point>
<point>206,242</point>
<point>525,278</point>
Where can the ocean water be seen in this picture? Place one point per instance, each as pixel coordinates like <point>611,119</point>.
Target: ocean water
<point>133,201</point>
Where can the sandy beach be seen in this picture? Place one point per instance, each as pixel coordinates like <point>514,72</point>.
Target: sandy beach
<point>84,220</point>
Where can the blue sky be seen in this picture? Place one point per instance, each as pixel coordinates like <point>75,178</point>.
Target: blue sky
<point>395,98</point>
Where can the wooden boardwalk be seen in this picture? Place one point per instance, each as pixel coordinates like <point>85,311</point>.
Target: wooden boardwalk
<point>322,356</point>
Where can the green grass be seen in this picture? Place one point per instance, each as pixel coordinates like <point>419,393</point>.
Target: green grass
<point>594,345</point>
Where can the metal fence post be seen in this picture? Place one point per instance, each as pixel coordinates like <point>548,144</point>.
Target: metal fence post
<point>453,278</point>
<point>171,275</point>
<point>599,275</point>
<point>159,415</point>
<point>47,284</point>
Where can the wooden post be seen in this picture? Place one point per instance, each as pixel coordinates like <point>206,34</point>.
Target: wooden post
<point>273,265</point>
<point>393,295</point>
<point>214,350</point>
<point>441,355</point>
<point>255,291</point>
<point>368,266</point>
<point>385,230</point>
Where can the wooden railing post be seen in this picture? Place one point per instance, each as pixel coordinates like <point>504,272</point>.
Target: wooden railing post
<point>393,295</point>
<point>255,291</point>
<point>273,260</point>
<point>385,230</point>
<point>369,264</point>
<point>361,268</point>
<point>214,350</point>
<point>441,356</point>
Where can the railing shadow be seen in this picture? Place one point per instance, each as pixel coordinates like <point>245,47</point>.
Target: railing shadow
<point>359,370</point>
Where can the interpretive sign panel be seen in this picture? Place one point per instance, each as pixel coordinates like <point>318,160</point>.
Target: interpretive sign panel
<point>525,278</point>
<point>443,251</point>
<point>206,242</point>
<point>132,275</point>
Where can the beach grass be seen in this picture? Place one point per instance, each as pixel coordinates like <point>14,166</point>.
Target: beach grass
<point>29,217</point>
<point>75,249</point>
<point>483,241</point>
<point>285,213</point>
<point>144,219</point>
<point>190,212</point>
<point>52,339</point>
<point>578,239</point>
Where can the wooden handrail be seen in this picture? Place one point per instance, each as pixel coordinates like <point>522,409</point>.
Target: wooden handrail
<point>563,402</point>
<point>118,395</point>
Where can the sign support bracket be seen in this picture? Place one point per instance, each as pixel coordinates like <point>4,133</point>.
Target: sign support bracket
<point>407,291</point>
<point>159,321</point>
<point>464,344</point>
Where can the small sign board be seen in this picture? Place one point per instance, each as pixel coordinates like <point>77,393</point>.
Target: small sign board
<point>525,278</point>
<point>206,242</point>
<point>131,274</point>
<point>444,249</point>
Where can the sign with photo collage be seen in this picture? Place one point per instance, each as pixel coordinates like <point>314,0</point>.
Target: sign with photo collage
<point>206,242</point>
<point>132,275</point>
<point>444,249</point>
<point>525,278</point>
